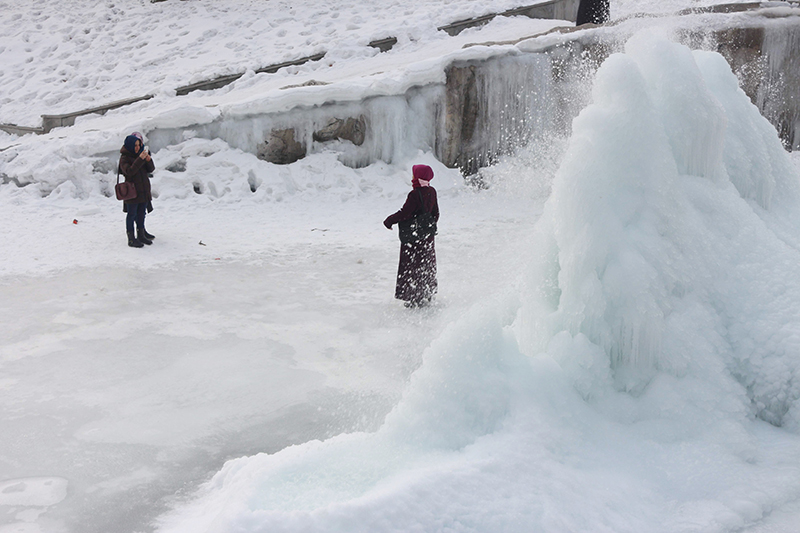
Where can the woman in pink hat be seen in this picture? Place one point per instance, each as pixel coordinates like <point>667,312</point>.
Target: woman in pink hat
<point>416,273</point>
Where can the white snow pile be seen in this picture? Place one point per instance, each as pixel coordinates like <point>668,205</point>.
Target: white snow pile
<point>626,384</point>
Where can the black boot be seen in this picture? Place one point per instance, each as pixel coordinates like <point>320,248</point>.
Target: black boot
<point>133,242</point>
<point>142,235</point>
<point>148,235</point>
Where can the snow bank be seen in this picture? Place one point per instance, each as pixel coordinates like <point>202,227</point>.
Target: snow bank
<point>65,56</point>
<point>214,171</point>
<point>621,388</point>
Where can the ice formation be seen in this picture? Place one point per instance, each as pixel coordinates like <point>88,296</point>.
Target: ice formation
<point>661,229</point>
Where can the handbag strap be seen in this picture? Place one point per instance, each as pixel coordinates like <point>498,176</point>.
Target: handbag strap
<point>421,201</point>
<point>117,174</point>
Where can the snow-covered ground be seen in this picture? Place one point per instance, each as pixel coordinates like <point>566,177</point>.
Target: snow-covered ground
<point>599,358</point>
<point>60,57</point>
<point>135,375</point>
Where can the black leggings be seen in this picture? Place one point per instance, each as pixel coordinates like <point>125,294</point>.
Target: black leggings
<point>135,212</point>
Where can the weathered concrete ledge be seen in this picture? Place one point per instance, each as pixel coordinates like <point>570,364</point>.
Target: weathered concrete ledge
<point>222,81</point>
<point>384,45</point>
<point>554,9</point>
<point>722,8</point>
<point>68,119</point>
<point>20,130</point>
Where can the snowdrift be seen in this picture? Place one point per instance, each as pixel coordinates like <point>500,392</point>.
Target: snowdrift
<point>639,377</point>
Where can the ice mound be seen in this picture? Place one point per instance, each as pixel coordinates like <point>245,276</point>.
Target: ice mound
<point>621,388</point>
<point>661,250</point>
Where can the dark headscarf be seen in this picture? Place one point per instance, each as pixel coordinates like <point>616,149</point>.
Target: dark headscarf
<point>130,144</point>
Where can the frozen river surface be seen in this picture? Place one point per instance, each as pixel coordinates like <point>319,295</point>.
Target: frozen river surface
<point>129,376</point>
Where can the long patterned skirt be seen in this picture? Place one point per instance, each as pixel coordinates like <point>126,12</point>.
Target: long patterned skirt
<point>416,273</point>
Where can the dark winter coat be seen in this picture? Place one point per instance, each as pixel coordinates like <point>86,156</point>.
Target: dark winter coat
<point>137,171</point>
<point>413,206</point>
<point>416,271</point>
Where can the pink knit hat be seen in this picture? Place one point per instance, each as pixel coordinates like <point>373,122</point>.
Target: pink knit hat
<point>423,174</point>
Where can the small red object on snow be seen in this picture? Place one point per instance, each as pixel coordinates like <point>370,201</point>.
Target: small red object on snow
<point>217,258</point>
<point>74,220</point>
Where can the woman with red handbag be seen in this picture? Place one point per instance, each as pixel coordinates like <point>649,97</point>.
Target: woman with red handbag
<point>136,165</point>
